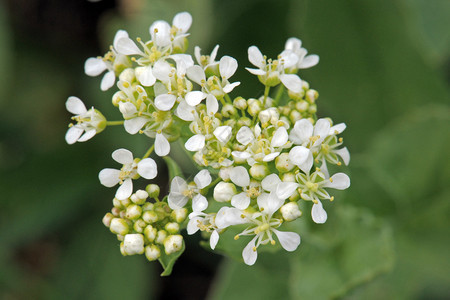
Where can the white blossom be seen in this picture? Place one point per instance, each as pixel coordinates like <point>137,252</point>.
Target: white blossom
<point>304,61</point>
<point>181,191</point>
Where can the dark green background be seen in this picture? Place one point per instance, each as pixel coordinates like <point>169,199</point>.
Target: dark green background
<point>384,71</point>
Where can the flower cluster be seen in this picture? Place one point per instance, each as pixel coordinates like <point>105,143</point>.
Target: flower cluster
<point>259,158</point>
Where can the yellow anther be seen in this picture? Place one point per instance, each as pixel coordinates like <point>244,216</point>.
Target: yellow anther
<point>236,237</point>
<point>315,201</point>
<point>339,163</point>
<point>138,39</point>
<point>317,169</point>
<point>273,242</point>
<point>332,198</point>
<point>341,140</point>
<point>331,179</point>
<point>126,85</point>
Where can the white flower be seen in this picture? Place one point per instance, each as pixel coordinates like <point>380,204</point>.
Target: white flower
<point>328,149</point>
<point>181,191</point>
<point>89,122</point>
<point>272,72</point>
<point>250,188</point>
<point>94,66</point>
<point>262,226</point>
<point>131,170</point>
<point>304,61</point>
<point>206,61</point>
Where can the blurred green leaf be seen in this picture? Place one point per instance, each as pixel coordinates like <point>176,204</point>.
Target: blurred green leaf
<point>174,169</point>
<point>168,261</point>
<point>5,52</point>
<point>355,248</point>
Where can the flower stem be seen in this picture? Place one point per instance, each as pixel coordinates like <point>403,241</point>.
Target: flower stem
<point>280,91</point>
<point>113,123</point>
<point>266,94</point>
<point>147,154</point>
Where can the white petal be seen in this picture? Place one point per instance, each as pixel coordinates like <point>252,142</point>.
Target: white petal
<point>125,190</point>
<point>132,126</point>
<point>185,112</point>
<point>161,70</point>
<point>202,179</point>
<point>199,203</point>
<point>119,34</point>
<point>249,253</point>
<point>291,82</point>
<point>212,106</point>
<point>87,135</point>
<point>183,61</point>
<point>94,66</point>
<point>195,97</point>
<point>318,214</point>
<point>182,21</point>
<point>241,154</point>
<point>322,128</point>
<point>109,177</point>
<point>126,46</point>
<point>162,146</point>
<point>176,201</point>
<point>75,106</point>
<point>344,154</point>
<point>229,87</point>
<point>123,156</point>
<point>286,189</point>
<point>299,155</point>
<point>288,240</point>
<point>271,156</point>
<point>269,203</point>
<point>303,130</point>
<point>195,143</point>
<point>293,44</point>
<point>256,71</point>
<point>255,57</point>
<point>160,32</point>
<point>73,134</point>
<point>192,226</point>
<point>339,181</point>
<point>280,137</point>
<point>307,164</point>
<point>178,185</point>
<point>270,182</point>
<point>338,128</point>
<point>240,201</point>
<point>147,168</point>
<point>165,102</point>
<point>245,135</point>
<point>108,80</point>
<point>196,74</point>
<point>223,133</point>
<point>127,109</point>
<point>309,61</point>
<point>213,54</point>
<point>214,239</point>
<point>239,176</point>
<point>289,58</point>
<point>145,76</point>
<point>229,216</point>
<point>227,66</point>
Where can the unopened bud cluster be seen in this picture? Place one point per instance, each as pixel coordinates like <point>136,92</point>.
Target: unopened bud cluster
<point>260,158</point>
<point>144,226</point>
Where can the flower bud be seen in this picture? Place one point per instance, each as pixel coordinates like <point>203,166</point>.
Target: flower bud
<point>173,243</point>
<point>312,109</point>
<point>228,111</point>
<point>161,236</point>
<point>150,216</point>
<point>305,85</point>
<point>240,103</point>
<point>312,95</point>
<point>296,96</point>
<point>254,106</point>
<point>139,225</point>
<point>147,206</point>
<point>119,226</point>
<point>179,215</point>
<point>152,252</point>
<point>153,190</point>
<point>270,115</point>
<point>224,191</point>
<point>294,116</point>
<point>288,177</point>
<point>116,211</point>
<point>259,171</point>
<point>127,75</point>
<point>133,212</point>
<point>117,203</point>
<point>150,233</point>
<point>107,219</point>
<point>283,163</point>
<point>290,211</point>
<point>125,202</point>
<point>244,121</point>
<point>133,244</point>
<point>172,227</point>
<point>302,106</point>
<point>117,98</point>
<point>139,197</point>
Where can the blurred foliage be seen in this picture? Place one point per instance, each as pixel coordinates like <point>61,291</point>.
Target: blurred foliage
<point>383,72</point>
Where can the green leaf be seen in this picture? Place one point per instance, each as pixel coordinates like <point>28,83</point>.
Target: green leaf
<point>174,169</point>
<point>351,249</point>
<point>168,261</point>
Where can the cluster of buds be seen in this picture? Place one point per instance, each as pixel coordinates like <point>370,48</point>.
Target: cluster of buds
<point>258,157</point>
<point>144,224</point>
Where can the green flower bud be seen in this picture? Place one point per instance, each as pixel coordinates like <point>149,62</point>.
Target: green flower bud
<point>133,212</point>
<point>254,106</point>
<point>179,215</point>
<point>240,103</point>
<point>312,109</point>
<point>172,227</point>
<point>119,226</point>
<point>153,190</point>
<point>228,111</point>
<point>147,206</point>
<point>125,202</point>
<point>302,106</point>
<point>117,203</point>
<point>305,85</point>
<point>107,219</point>
<point>283,163</point>
<point>224,191</point>
<point>150,216</point>
<point>139,225</point>
<point>312,95</point>
<point>161,236</point>
<point>244,121</point>
<point>296,96</point>
<point>290,211</point>
<point>133,244</point>
<point>152,252</point>
<point>139,197</point>
<point>294,116</point>
<point>259,171</point>
<point>116,211</point>
<point>173,243</point>
<point>150,233</point>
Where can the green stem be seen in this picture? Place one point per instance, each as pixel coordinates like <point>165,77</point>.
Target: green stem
<point>147,154</point>
<point>266,94</point>
<point>223,101</point>
<point>112,123</point>
<point>278,95</point>
<point>227,97</point>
